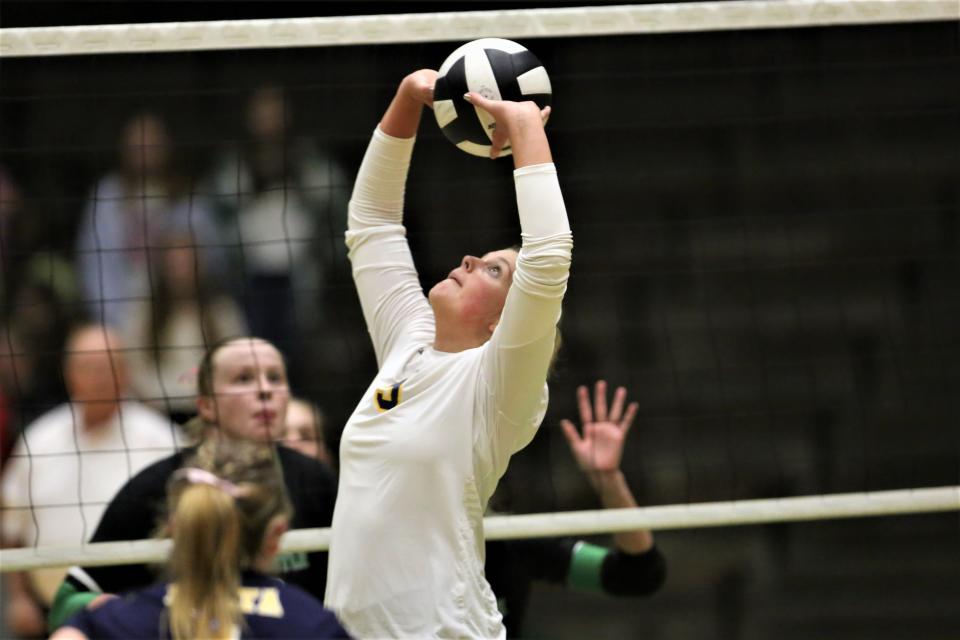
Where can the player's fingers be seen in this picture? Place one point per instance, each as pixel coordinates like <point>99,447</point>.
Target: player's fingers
<point>496,145</point>
<point>478,100</point>
<point>426,94</point>
<point>627,421</point>
<point>600,400</point>
<point>570,432</point>
<point>616,410</point>
<point>583,402</point>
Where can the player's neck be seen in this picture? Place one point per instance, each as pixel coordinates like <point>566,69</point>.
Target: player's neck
<point>454,337</point>
<point>456,343</point>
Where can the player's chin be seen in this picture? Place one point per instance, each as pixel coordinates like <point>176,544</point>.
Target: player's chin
<point>441,292</point>
<point>261,431</point>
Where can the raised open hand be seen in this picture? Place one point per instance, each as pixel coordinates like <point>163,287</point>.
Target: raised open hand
<point>600,447</point>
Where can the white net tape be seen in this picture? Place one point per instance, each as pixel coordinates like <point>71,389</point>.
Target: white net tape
<point>685,516</point>
<point>467,25</point>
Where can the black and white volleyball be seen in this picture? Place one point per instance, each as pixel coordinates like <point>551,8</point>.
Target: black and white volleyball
<point>496,69</point>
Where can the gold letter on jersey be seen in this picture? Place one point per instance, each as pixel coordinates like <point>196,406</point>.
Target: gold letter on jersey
<point>386,399</point>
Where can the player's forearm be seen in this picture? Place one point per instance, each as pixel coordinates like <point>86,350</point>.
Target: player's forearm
<point>615,493</point>
<point>543,265</point>
<point>381,182</point>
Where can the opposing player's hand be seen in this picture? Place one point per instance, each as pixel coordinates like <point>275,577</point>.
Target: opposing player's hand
<point>418,86</point>
<point>599,448</point>
<point>513,120</point>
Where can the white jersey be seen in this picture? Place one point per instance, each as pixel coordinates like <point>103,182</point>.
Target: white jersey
<point>424,450</point>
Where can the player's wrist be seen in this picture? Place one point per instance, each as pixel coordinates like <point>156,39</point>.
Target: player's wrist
<point>603,479</point>
<point>524,120</point>
<point>415,90</point>
<point>407,97</point>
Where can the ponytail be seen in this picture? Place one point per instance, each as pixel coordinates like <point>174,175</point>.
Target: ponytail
<point>206,545</point>
<point>221,505</point>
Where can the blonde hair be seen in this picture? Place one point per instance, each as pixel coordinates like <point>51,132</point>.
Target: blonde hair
<point>221,504</point>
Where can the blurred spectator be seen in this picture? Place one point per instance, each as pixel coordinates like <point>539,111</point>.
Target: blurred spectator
<point>37,300</point>
<point>167,334</point>
<point>68,464</point>
<point>282,199</point>
<point>34,334</point>
<point>6,422</point>
<point>304,431</point>
<point>9,242</point>
<point>130,208</point>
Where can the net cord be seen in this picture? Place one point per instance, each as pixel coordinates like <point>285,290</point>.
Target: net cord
<point>465,25</point>
<point>570,523</point>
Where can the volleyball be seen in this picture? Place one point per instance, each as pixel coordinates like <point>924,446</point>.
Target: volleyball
<point>495,68</point>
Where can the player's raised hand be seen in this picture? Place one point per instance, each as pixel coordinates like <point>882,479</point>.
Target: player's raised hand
<point>415,91</point>
<point>599,448</point>
<point>515,121</point>
<point>418,86</point>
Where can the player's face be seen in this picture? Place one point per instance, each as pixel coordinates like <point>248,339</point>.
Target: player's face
<point>474,293</point>
<point>300,432</point>
<point>250,391</point>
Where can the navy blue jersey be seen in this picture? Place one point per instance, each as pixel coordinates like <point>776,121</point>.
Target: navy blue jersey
<point>271,609</point>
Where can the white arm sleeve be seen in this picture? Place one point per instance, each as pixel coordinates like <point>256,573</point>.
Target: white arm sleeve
<point>393,303</point>
<point>519,353</point>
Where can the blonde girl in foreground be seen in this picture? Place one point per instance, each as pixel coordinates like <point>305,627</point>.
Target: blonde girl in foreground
<point>229,509</point>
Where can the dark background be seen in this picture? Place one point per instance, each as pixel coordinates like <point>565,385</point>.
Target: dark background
<point>766,229</point>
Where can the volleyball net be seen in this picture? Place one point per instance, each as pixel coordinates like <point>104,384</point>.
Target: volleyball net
<point>763,195</point>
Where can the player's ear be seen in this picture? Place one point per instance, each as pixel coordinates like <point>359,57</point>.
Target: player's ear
<point>207,408</point>
<point>271,537</point>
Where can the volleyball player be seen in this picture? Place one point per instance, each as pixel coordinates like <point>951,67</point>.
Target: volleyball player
<point>633,567</point>
<point>243,395</point>
<point>461,386</point>
<point>304,430</point>
<point>228,509</point>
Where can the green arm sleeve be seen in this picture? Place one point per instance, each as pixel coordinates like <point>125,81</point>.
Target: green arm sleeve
<point>67,602</point>
<point>585,564</point>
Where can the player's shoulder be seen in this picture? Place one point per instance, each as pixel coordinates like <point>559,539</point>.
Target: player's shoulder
<point>135,614</point>
<point>152,597</point>
<point>284,610</point>
<point>153,477</point>
<point>296,596</point>
<point>295,463</point>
